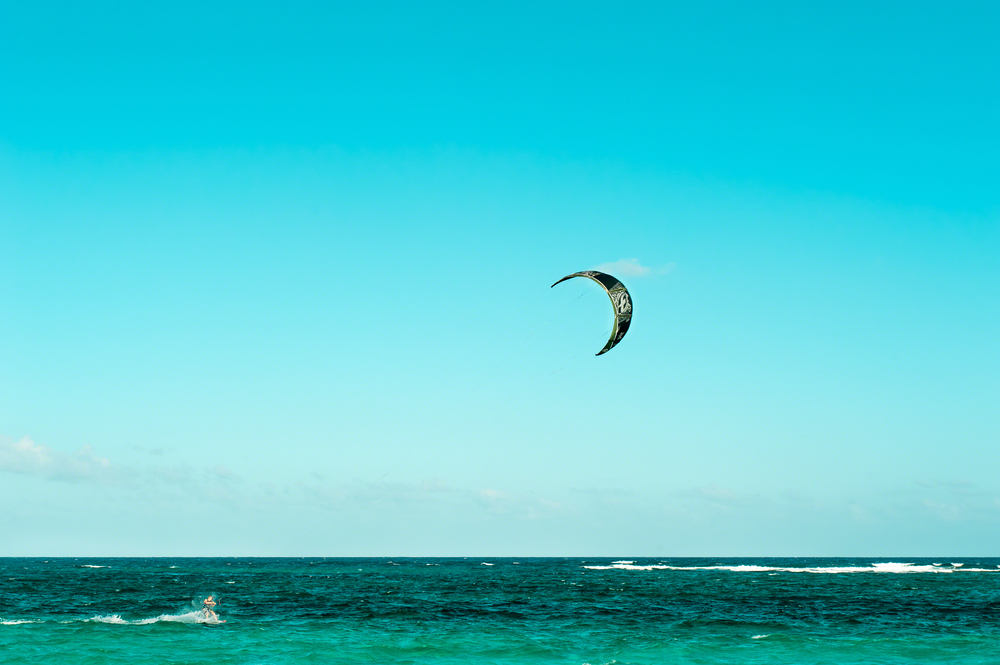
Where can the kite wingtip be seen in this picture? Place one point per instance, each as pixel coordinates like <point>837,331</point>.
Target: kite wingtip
<point>565,278</point>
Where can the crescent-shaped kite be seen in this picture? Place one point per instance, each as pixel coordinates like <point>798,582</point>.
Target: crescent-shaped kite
<point>620,300</point>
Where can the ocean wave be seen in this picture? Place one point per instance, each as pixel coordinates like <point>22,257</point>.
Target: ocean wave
<point>116,619</point>
<point>887,567</point>
<point>189,617</point>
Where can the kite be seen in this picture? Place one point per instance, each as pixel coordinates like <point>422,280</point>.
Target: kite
<point>620,300</point>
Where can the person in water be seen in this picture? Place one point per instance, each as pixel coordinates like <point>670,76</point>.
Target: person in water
<point>207,608</point>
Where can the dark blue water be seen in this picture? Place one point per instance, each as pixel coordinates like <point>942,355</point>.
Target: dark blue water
<point>579,611</point>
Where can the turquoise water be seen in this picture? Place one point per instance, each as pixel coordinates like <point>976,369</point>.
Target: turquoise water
<point>594,611</point>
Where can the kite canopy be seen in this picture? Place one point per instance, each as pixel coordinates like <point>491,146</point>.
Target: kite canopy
<point>620,300</point>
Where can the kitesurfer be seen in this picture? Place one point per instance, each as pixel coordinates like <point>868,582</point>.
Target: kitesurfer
<point>207,608</point>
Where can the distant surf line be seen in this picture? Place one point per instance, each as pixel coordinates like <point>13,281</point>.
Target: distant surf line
<point>887,567</point>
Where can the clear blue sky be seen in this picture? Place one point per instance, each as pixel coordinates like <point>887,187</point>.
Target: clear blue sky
<point>274,279</point>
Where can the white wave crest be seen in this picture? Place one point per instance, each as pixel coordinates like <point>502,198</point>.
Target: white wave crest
<point>188,617</point>
<point>886,567</point>
<point>109,618</point>
<point>15,622</point>
<point>979,570</point>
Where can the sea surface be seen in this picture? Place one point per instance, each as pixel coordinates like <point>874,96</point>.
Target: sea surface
<point>469,610</point>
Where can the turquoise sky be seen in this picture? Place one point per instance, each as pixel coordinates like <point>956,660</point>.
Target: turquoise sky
<point>274,279</point>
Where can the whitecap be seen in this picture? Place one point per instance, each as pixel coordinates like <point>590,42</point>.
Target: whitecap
<point>110,618</point>
<point>627,566</point>
<point>87,565</point>
<point>16,622</point>
<point>747,568</point>
<point>188,617</point>
<point>759,637</point>
<point>882,567</point>
<point>487,564</point>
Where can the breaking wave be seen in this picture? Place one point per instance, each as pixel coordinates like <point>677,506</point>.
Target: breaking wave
<point>188,617</point>
<point>887,567</point>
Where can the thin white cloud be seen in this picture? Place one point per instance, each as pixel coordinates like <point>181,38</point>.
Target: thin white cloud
<point>26,457</point>
<point>426,497</point>
<point>30,458</point>
<point>632,268</point>
<point>949,512</point>
<point>716,493</point>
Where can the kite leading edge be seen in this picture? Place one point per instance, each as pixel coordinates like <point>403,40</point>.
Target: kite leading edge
<point>620,300</point>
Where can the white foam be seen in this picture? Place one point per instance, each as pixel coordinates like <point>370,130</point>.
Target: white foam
<point>188,617</point>
<point>87,565</point>
<point>629,566</point>
<point>759,637</point>
<point>884,567</point>
<point>487,564</point>
<point>110,618</point>
<point>977,570</point>
<point>893,567</point>
<point>15,622</point>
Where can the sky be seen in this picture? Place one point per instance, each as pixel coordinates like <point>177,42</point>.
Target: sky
<point>275,279</point>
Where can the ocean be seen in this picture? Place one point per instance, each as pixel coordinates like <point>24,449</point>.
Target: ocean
<point>503,611</point>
